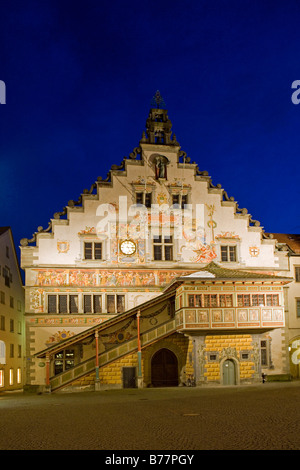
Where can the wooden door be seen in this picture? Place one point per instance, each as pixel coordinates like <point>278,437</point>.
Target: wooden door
<point>164,369</point>
<point>129,377</point>
<point>228,372</point>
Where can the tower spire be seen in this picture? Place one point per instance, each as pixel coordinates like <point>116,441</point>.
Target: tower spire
<point>158,101</point>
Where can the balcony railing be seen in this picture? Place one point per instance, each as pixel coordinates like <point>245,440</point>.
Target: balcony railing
<point>233,317</point>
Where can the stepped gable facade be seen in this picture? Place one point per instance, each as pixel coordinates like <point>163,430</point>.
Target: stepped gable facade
<point>155,276</point>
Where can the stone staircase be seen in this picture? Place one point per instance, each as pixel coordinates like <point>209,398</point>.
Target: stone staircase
<point>87,367</point>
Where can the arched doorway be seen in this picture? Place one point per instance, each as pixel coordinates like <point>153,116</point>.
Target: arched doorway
<point>229,373</point>
<point>164,369</point>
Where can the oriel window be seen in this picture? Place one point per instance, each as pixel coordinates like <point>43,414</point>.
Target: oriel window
<point>194,300</point>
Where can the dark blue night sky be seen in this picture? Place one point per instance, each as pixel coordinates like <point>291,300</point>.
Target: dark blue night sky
<point>80,76</point>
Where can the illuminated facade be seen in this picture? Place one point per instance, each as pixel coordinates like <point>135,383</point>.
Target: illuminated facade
<point>12,327</point>
<point>155,276</point>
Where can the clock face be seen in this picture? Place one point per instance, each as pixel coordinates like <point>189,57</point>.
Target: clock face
<point>128,247</point>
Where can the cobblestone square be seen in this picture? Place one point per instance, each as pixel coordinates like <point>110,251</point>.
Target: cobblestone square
<point>256,417</point>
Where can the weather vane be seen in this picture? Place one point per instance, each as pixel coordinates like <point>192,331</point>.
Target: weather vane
<point>157,100</point>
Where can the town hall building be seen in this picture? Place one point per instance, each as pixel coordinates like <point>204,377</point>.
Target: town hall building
<point>154,277</point>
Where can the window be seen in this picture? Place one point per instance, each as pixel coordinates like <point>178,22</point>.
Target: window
<point>73,303</point>
<point>264,355</point>
<point>143,198</point>
<point>2,322</point>
<point>12,351</point>
<point>228,253</point>
<point>298,307</point>
<point>64,360</point>
<point>92,303</point>
<point>115,303</point>
<point>297,273</point>
<point>195,300</point>
<point>163,248</point>
<point>19,350</point>
<point>2,297</point>
<point>62,303</point>
<point>257,300</point>
<point>11,376</point>
<point>243,300</point>
<point>2,352</point>
<point>225,300</point>
<point>7,276</point>
<point>11,325</point>
<point>19,376</point>
<point>52,303</point>
<point>272,300</point>
<point>1,378</point>
<point>210,300</point>
<point>11,302</point>
<point>7,252</point>
<point>92,250</point>
<point>180,200</point>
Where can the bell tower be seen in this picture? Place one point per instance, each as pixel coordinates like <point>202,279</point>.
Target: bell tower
<point>158,125</point>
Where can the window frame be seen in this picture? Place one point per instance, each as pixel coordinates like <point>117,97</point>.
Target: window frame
<point>94,309</point>
<point>145,198</point>
<point>219,300</point>
<point>115,303</point>
<point>93,250</point>
<point>183,200</point>
<point>297,273</point>
<point>59,308</point>
<point>297,300</point>
<point>160,242</point>
<point>228,253</point>
<point>275,300</point>
<point>64,360</point>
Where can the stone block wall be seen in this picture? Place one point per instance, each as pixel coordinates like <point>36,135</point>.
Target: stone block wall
<point>229,346</point>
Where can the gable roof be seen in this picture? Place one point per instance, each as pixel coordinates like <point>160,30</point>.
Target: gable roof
<point>292,240</point>
<point>4,229</point>
<point>213,270</point>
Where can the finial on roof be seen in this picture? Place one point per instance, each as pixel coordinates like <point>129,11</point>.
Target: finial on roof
<point>157,101</point>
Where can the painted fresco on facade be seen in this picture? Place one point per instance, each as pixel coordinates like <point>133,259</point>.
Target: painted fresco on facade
<point>104,278</point>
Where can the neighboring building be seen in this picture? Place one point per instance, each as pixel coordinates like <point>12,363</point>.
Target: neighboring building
<point>155,276</point>
<point>12,328</point>
<point>291,242</point>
